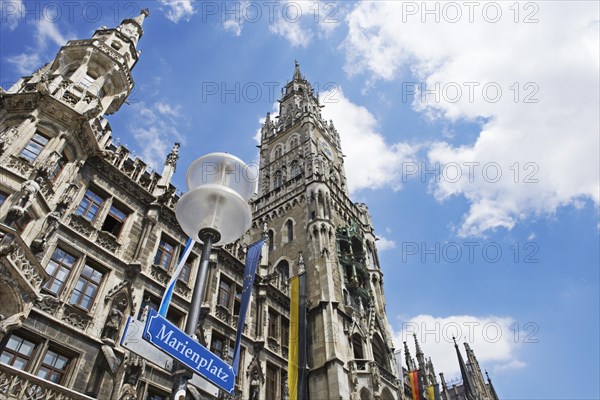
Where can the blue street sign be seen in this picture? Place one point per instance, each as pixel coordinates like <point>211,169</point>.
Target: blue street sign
<point>192,354</point>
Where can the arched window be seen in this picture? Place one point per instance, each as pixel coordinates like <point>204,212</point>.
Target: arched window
<point>277,179</point>
<point>284,273</point>
<point>379,353</point>
<point>271,239</point>
<point>278,152</point>
<point>293,142</point>
<point>357,347</point>
<point>295,168</point>
<point>365,394</point>
<point>290,230</point>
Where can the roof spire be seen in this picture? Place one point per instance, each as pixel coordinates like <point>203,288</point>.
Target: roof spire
<point>132,27</point>
<point>410,364</point>
<point>445,395</point>
<point>297,74</point>
<point>464,374</point>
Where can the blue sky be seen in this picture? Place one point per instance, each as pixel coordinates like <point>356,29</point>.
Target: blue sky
<point>483,186</point>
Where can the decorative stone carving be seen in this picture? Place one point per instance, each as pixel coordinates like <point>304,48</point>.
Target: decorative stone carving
<point>51,225</point>
<point>11,322</point>
<point>255,385</point>
<point>376,376</point>
<point>19,166</point>
<point>25,199</point>
<point>48,303</point>
<point>107,241</point>
<point>29,271</point>
<point>76,318</point>
<point>7,137</point>
<point>134,370</point>
<point>110,334</point>
<point>81,225</point>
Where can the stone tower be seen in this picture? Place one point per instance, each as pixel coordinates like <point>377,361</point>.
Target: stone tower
<point>304,201</point>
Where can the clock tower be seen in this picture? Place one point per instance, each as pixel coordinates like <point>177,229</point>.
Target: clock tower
<point>304,202</point>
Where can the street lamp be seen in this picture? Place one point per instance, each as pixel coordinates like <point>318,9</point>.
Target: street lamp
<point>214,210</point>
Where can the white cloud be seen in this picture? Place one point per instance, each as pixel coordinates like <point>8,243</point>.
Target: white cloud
<point>176,10</point>
<point>155,129</point>
<point>384,244</point>
<point>24,63</point>
<point>555,61</point>
<point>233,26</point>
<point>300,21</point>
<point>168,109</point>
<point>292,32</point>
<point>46,30</point>
<point>11,13</point>
<point>371,163</point>
<point>493,339</point>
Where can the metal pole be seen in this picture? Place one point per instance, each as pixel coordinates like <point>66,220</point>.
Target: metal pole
<point>181,374</point>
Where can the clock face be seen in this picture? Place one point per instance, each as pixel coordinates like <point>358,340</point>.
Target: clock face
<point>326,149</point>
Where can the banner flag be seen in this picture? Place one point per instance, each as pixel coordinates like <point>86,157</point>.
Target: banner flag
<point>293,352</point>
<point>252,259</point>
<point>166,300</point>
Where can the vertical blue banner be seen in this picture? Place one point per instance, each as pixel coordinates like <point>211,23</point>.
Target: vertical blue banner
<point>252,258</point>
<point>166,300</point>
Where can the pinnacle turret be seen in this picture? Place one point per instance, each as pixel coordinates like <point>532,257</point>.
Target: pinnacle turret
<point>410,363</point>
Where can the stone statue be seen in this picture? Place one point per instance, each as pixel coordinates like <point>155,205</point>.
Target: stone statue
<point>254,385</point>
<point>376,375</point>
<point>28,192</point>
<point>134,369</point>
<point>110,333</point>
<point>25,199</point>
<point>6,138</point>
<point>52,224</point>
<point>42,85</point>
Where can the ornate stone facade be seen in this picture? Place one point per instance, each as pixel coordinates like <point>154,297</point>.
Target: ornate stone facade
<point>89,238</point>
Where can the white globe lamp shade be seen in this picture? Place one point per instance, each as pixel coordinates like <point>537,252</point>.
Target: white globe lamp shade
<point>222,169</point>
<point>216,208</point>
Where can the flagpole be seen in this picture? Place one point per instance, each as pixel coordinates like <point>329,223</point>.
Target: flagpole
<point>181,374</point>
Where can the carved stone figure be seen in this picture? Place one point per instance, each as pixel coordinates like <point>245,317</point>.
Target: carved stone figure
<point>254,385</point>
<point>110,334</point>
<point>6,138</point>
<point>134,370</point>
<point>42,85</point>
<point>28,192</point>
<point>25,199</point>
<point>52,224</point>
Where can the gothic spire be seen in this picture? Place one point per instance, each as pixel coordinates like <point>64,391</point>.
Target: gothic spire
<point>421,360</point>
<point>173,156</point>
<point>445,395</point>
<point>169,169</point>
<point>464,374</point>
<point>410,363</point>
<point>132,27</point>
<point>297,74</point>
<point>431,371</point>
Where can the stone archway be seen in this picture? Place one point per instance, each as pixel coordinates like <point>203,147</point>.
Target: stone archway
<point>386,394</point>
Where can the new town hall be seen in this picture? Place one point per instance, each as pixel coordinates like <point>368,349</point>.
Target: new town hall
<point>88,237</point>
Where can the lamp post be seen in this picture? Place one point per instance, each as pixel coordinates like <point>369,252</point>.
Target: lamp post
<point>214,210</point>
